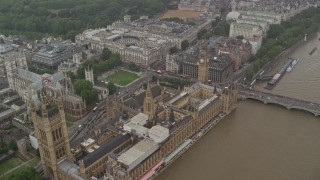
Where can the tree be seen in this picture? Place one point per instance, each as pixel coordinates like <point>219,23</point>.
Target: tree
<point>184,44</point>
<point>134,67</point>
<point>222,28</point>
<point>154,78</point>
<point>173,50</point>
<point>201,33</point>
<point>85,89</point>
<point>106,54</point>
<point>27,173</point>
<point>249,74</point>
<point>13,145</point>
<point>173,19</point>
<point>275,30</point>
<point>112,88</point>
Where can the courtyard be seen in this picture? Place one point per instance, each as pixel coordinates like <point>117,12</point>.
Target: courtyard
<point>15,165</point>
<point>122,77</point>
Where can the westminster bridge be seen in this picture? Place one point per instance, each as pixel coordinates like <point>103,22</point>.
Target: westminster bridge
<point>289,103</point>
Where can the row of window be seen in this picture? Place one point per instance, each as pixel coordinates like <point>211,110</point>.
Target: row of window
<point>57,134</point>
<point>46,153</point>
<point>43,135</point>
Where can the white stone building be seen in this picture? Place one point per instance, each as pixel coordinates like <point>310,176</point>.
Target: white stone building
<point>142,41</point>
<point>245,30</point>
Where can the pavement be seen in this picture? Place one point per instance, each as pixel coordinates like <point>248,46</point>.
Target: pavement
<point>83,125</point>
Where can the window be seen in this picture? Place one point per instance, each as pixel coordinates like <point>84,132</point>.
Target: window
<point>60,132</point>
<point>60,152</point>
<point>43,135</point>
<point>54,135</point>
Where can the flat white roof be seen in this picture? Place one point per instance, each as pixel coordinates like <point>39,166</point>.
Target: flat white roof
<point>137,119</point>
<point>158,130</point>
<point>276,76</point>
<point>138,128</point>
<point>112,36</point>
<point>135,152</point>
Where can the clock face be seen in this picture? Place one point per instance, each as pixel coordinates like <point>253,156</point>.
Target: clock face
<point>201,61</point>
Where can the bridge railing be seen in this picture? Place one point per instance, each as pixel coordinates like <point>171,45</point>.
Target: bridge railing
<point>281,100</point>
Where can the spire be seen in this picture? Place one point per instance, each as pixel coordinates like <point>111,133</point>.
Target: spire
<point>148,91</point>
<point>148,104</point>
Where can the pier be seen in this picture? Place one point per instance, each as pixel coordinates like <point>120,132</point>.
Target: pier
<point>275,79</point>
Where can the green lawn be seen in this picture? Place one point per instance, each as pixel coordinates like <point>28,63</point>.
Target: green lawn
<point>32,163</point>
<point>122,77</point>
<point>69,123</point>
<point>9,164</point>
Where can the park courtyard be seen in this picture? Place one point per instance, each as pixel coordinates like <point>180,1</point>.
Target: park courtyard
<point>122,77</point>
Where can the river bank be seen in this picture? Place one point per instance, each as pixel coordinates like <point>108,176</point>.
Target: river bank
<point>256,141</point>
<point>303,77</point>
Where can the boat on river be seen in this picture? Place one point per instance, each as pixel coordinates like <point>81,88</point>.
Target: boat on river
<point>294,62</point>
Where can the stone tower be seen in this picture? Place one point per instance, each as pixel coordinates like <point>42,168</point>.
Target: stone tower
<point>12,63</point>
<point>203,64</point>
<point>51,131</point>
<point>305,37</point>
<point>148,104</point>
<point>229,97</point>
<point>89,75</point>
<point>233,5</point>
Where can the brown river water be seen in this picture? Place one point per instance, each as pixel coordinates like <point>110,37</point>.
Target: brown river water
<point>262,142</point>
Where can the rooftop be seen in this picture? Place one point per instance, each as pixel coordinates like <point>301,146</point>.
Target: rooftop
<point>4,48</point>
<point>206,102</point>
<point>258,16</point>
<point>246,25</point>
<point>71,169</point>
<point>105,149</point>
<point>252,20</point>
<point>139,118</point>
<point>139,129</point>
<point>158,130</point>
<point>137,100</point>
<point>154,26</point>
<point>137,151</point>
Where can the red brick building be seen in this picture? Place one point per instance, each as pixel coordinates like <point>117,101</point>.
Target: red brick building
<point>238,50</point>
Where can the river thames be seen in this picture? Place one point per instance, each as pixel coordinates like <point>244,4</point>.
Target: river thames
<point>259,141</point>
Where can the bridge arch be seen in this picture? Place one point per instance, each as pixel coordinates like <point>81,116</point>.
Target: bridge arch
<point>303,110</point>
<point>278,104</point>
<point>255,99</point>
<point>288,103</point>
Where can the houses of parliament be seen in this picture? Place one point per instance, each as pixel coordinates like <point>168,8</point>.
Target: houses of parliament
<point>141,130</point>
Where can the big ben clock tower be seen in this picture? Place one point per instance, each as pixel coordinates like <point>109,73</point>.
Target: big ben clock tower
<point>203,64</point>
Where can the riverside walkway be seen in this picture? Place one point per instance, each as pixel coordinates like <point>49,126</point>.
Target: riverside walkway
<point>289,103</point>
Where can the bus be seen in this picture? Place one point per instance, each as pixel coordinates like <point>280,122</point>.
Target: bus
<point>94,109</point>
